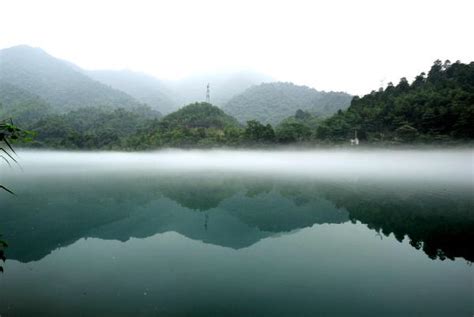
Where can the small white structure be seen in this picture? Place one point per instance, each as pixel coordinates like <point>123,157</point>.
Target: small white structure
<point>355,140</point>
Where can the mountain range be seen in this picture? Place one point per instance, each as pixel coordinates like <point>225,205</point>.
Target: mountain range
<point>32,74</point>
<point>70,107</point>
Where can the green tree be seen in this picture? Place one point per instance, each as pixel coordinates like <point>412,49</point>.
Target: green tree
<point>289,132</point>
<point>257,133</point>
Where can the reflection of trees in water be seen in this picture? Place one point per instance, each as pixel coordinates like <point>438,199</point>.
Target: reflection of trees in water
<point>440,225</point>
<point>204,193</point>
<point>257,187</point>
<point>435,221</point>
<point>273,212</point>
<point>200,193</point>
<point>425,222</point>
<point>257,203</point>
<point>59,212</point>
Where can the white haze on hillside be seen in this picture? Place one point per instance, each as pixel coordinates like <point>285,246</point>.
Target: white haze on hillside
<point>338,45</point>
<point>421,166</point>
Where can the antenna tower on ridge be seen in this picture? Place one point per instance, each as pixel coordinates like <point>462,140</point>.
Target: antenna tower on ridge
<point>208,94</point>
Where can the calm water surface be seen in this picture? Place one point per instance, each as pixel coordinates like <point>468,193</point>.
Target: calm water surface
<point>369,233</point>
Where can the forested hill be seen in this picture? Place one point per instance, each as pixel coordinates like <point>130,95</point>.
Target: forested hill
<point>58,83</point>
<point>199,115</point>
<point>195,125</point>
<point>435,106</point>
<point>273,102</point>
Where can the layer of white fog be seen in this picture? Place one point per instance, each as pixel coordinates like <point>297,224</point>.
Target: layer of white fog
<point>450,166</point>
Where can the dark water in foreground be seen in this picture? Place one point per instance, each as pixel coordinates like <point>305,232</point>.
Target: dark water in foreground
<point>239,234</point>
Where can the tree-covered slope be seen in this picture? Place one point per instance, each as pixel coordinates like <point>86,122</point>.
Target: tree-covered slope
<point>142,87</point>
<point>273,102</point>
<point>60,84</point>
<point>437,106</point>
<point>21,106</point>
<point>90,128</point>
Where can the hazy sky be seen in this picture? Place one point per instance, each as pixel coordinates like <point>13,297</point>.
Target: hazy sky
<point>329,45</point>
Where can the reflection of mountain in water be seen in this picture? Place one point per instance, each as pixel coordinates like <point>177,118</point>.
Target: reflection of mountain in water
<point>227,211</point>
<point>223,213</point>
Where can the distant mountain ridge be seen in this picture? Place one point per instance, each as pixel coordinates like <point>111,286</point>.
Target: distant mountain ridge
<point>143,87</point>
<point>170,95</point>
<point>56,82</point>
<point>273,102</point>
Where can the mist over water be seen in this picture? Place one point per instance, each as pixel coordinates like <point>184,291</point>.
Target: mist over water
<point>449,166</point>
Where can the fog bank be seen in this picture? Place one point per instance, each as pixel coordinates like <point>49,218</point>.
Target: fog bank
<point>423,165</point>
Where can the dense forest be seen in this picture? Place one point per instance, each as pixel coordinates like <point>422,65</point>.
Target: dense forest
<point>196,125</point>
<point>436,106</point>
<point>66,109</point>
<point>90,128</point>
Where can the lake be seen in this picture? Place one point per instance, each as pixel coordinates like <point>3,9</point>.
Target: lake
<point>239,233</point>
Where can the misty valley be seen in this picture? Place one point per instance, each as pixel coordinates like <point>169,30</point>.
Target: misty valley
<point>204,232</point>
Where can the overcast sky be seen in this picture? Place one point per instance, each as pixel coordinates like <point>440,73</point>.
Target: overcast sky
<point>329,45</point>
